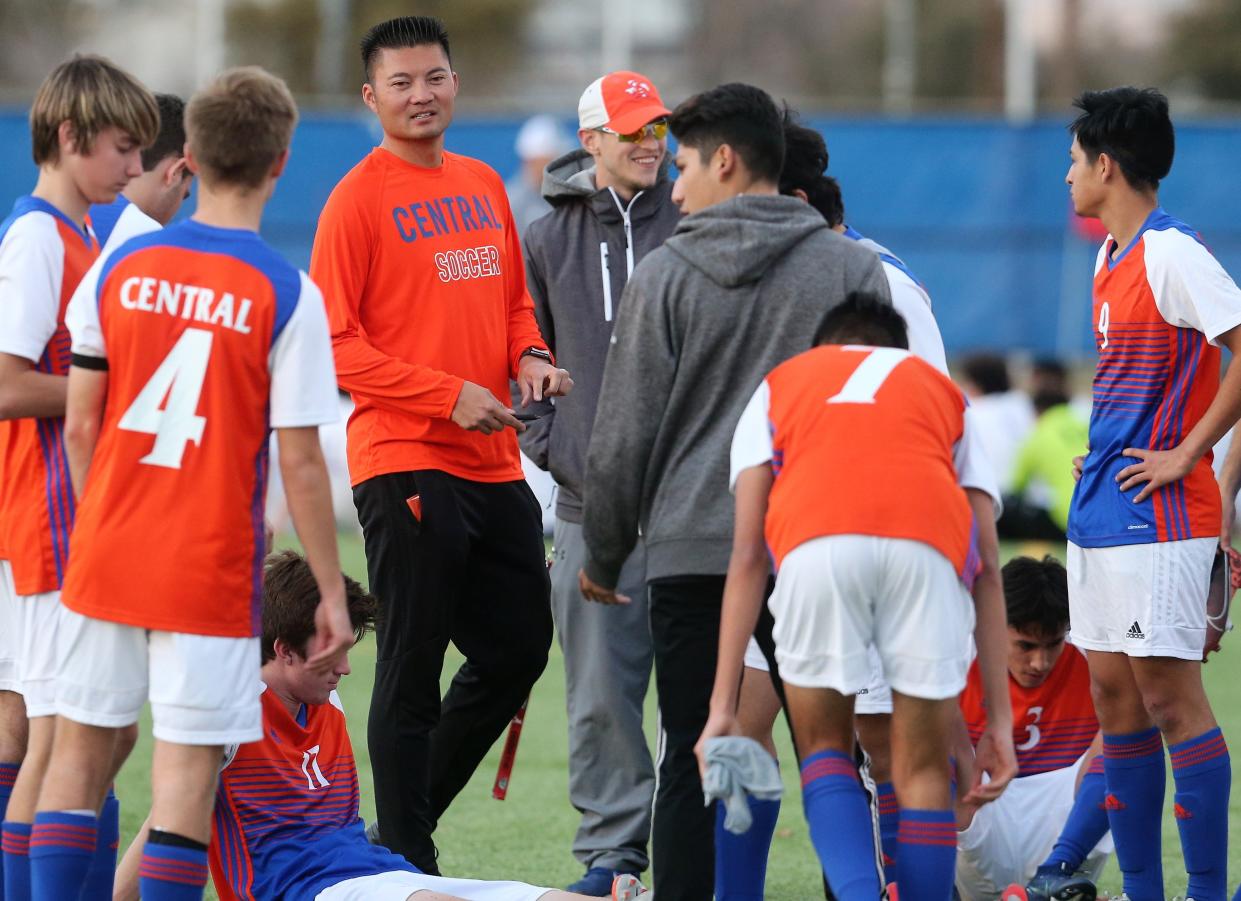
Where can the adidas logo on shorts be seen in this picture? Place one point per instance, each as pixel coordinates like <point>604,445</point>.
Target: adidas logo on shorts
<point>1135,631</point>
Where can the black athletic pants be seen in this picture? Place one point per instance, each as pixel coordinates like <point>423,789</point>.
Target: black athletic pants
<point>685,628</point>
<point>471,571</point>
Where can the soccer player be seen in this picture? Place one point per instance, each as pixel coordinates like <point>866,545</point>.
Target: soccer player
<point>1051,822</point>
<point>154,198</point>
<point>892,567</point>
<point>286,822</point>
<point>421,266</point>
<point>1145,521</point>
<point>740,863</point>
<point>88,124</point>
<point>611,205</point>
<point>193,343</point>
<point>738,289</point>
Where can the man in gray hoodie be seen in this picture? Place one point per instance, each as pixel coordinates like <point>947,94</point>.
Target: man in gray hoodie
<point>740,287</point>
<point>611,205</point>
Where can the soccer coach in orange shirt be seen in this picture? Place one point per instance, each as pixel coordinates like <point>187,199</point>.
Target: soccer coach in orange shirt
<point>421,269</point>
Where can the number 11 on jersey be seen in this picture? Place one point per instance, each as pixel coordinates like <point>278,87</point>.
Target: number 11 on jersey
<point>173,422</point>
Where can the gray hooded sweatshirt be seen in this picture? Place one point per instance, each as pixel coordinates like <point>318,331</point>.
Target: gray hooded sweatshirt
<point>578,260</point>
<point>741,287</point>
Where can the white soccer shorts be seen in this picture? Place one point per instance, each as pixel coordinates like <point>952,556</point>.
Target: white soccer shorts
<point>201,687</point>
<point>8,630</point>
<point>875,698</point>
<point>36,620</point>
<point>1144,600</point>
<point>398,885</point>
<point>837,595</point>
<point>1011,836</point>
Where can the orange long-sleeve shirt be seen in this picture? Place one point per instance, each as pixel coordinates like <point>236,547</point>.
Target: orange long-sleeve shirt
<point>422,274</point>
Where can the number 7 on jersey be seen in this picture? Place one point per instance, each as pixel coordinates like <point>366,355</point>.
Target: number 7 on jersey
<point>174,421</point>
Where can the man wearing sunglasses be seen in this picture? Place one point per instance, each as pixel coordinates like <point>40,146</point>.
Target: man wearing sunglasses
<point>612,205</point>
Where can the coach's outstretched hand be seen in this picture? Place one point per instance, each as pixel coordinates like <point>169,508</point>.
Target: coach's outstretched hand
<point>333,633</point>
<point>538,379</point>
<point>478,410</point>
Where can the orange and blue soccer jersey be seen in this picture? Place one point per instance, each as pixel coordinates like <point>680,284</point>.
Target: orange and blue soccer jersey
<point>862,441</point>
<point>209,339</point>
<point>1159,306</point>
<point>43,256</point>
<point>1053,723</point>
<point>286,821</point>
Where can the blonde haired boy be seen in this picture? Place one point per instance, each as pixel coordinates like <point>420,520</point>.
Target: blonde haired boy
<point>189,345</point>
<point>88,123</point>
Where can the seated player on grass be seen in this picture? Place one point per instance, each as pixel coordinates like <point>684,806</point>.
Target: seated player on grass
<point>286,824</point>
<point>1049,831</point>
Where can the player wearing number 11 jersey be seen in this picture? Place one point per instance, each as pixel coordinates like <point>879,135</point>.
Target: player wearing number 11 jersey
<point>189,344</point>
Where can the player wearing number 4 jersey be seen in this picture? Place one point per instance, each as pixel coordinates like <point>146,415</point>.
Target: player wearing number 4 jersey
<point>1146,520</point>
<point>188,346</point>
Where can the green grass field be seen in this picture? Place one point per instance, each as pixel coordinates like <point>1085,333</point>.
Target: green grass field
<point>528,836</point>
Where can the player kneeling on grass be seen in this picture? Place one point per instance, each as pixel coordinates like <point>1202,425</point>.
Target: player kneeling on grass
<point>847,465</point>
<point>1049,830</point>
<point>286,822</point>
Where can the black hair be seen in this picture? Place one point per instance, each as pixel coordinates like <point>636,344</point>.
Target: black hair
<point>1132,126</point>
<point>1046,399</point>
<point>401,32</point>
<point>740,115</point>
<point>805,159</point>
<point>988,371</point>
<point>170,141</point>
<point>1036,595</point>
<point>863,318</point>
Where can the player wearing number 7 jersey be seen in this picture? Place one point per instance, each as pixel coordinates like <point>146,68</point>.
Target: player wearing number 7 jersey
<point>189,344</point>
<point>848,467</point>
<point>1145,521</point>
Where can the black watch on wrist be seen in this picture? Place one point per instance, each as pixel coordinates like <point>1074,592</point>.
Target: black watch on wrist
<point>539,352</point>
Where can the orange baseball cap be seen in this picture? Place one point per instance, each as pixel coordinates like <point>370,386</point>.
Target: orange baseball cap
<point>620,101</point>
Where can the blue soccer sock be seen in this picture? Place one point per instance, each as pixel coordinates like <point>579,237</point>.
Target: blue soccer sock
<point>889,826</point>
<point>741,860</point>
<point>15,843</point>
<point>1087,822</point>
<point>8,775</point>
<point>102,873</point>
<point>926,859</point>
<point>1134,769</point>
<point>1202,772</point>
<point>173,872</point>
<point>841,829</point>
<point>62,846</point>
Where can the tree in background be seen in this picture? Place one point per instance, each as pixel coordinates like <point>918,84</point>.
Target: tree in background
<point>288,34</point>
<point>1201,55</point>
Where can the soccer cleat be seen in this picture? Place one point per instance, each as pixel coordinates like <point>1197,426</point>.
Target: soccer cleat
<point>596,883</point>
<point>1056,882</point>
<point>626,887</point>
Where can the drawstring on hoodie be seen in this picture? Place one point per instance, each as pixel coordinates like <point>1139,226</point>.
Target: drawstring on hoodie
<point>604,270</point>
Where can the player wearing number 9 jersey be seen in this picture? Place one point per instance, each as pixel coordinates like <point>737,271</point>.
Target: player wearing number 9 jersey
<point>1145,521</point>
<point>189,344</point>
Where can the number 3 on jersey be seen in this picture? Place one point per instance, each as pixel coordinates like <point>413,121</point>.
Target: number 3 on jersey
<point>179,380</point>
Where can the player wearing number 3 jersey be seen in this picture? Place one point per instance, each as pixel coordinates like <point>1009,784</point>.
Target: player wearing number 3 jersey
<point>189,345</point>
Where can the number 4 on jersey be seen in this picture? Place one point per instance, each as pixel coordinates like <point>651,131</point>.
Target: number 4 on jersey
<point>179,380</point>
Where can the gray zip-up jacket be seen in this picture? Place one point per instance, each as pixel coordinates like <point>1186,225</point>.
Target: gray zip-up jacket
<point>578,260</point>
<point>741,287</point>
